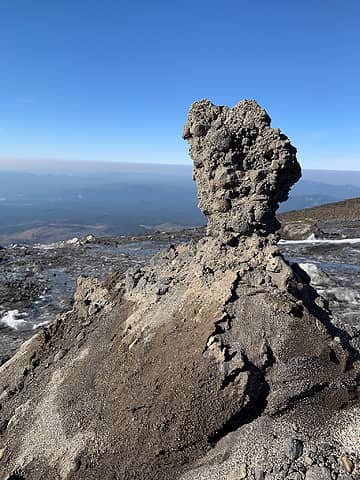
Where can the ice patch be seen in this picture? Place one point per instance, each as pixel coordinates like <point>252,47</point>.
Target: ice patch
<point>313,240</point>
<point>73,241</point>
<point>317,276</point>
<point>47,246</point>
<point>13,319</point>
<point>345,294</point>
<point>42,324</point>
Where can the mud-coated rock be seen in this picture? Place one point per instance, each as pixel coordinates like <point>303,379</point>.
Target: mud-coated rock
<point>243,168</point>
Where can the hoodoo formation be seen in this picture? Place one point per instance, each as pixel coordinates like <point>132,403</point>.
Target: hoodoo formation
<point>217,360</point>
<point>243,168</point>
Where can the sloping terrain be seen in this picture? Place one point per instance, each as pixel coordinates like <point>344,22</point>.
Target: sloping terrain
<point>338,220</point>
<point>216,360</point>
<point>346,210</point>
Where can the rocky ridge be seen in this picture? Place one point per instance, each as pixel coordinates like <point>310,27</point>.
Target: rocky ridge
<point>335,220</point>
<point>217,360</point>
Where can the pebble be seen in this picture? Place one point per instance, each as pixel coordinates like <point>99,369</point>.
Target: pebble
<point>318,473</point>
<point>4,395</point>
<point>295,476</point>
<point>259,475</point>
<point>308,460</point>
<point>332,460</point>
<point>239,474</point>
<point>162,290</point>
<point>94,308</point>
<point>285,469</point>
<point>75,465</point>
<point>295,449</point>
<point>60,354</point>
<point>3,425</point>
<point>347,464</point>
<point>80,337</point>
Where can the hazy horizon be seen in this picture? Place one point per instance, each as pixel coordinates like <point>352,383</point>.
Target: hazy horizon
<point>63,165</point>
<point>64,199</point>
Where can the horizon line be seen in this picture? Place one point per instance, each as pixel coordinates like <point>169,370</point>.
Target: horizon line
<point>41,161</point>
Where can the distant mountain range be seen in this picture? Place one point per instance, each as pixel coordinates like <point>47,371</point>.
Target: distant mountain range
<point>53,203</point>
<point>318,187</point>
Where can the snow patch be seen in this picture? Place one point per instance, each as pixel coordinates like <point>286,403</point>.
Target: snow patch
<point>313,240</point>
<point>73,241</point>
<point>41,324</point>
<point>317,276</point>
<point>346,295</point>
<point>13,319</point>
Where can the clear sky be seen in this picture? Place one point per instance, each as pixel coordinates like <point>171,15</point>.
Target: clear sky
<point>112,80</point>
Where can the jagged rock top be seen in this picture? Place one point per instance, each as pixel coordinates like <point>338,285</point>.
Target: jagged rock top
<point>243,168</point>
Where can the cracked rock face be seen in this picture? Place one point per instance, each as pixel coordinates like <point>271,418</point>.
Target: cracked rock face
<point>217,360</point>
<point>243,168</point>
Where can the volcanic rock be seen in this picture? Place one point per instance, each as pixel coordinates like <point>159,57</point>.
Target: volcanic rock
<point>243,168</point>
<point>202,362</point>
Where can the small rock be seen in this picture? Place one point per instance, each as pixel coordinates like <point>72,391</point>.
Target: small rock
<point>308,460</point>
<point>60,354</point>
<point>162,290</point>
<point>80,337</point>
<point>295,448</point>
<point>94,308</point>
<point>90,238</point>
<point>3,425</point>
<point>239,474</point>
<point>2,453</point>
<point>347,464</point>
<point>259,475</point>
<point>318,473</point>
<point>285,468</point>
<point>75,465</point>
<point>331,460</point>
<point>295,476</point>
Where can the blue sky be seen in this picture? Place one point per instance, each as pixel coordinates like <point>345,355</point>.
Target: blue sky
<point>112,80</point>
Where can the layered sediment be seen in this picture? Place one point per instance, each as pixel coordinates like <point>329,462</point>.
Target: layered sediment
<point>217,360</point>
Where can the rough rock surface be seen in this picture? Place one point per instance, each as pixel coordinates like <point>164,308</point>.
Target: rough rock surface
<point>217,360</point>
<point>300,230</point>
<point>243,168</point>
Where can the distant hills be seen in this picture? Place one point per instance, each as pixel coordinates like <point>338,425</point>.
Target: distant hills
<point>318,187</point>
<point>343,211</point>
<point>54,201</point>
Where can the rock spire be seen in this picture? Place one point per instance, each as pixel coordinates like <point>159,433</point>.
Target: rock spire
<point>243,168</point>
